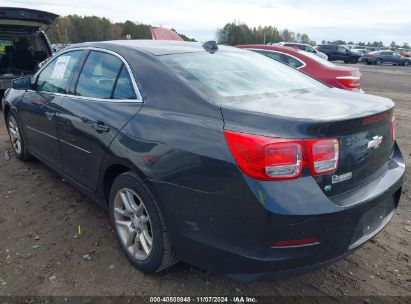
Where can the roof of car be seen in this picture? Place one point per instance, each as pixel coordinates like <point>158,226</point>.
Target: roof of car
<point>154,47</point>
<point>295,43</point>
<point>274,47</point>
<point>160,33</point>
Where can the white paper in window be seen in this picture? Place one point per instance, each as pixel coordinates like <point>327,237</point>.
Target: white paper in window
<point>60,67</point>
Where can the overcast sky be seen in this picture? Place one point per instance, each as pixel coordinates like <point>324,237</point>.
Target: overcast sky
<point>364,20</point>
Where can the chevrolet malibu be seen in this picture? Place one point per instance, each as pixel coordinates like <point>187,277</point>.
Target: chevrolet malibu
<point>212,155</point>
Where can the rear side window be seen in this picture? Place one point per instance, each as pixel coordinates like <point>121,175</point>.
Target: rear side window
<point>99,75</point>
<point>291,61</point>
<point>272,55</point>
<point>124,88</point>
<point>55,76</point>
<point>309,49</point>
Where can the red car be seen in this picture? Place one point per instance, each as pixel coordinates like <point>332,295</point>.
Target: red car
<point>346,78</point>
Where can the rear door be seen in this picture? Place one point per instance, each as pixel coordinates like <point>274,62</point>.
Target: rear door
<point>104,99</point>
<point>397,58</point>
<point>387,57</point>
<point>41,106</point>
<point>331,51</point>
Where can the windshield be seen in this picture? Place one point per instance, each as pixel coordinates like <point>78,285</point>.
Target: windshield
<point>229,75</point>
<point>320,60</point>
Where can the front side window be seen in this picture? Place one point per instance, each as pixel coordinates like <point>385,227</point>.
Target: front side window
<point>342,49</point>
<point>99,75</point>
<point>55,76</point>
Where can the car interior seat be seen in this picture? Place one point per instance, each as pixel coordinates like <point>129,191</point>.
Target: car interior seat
<point>21,58</point>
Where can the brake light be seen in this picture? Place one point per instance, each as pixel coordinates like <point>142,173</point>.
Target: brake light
<point>370,55</point>
<point>393,129</point>
<point>323,155</point>
<point>350,82</point>
<point>268,158</point>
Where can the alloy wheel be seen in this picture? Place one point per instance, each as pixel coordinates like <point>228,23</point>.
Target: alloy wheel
<point>133,224</point>
<point>14,134</point>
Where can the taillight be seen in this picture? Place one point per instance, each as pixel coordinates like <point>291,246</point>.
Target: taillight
<point>393,129</point>
<point>370,55</point>
<point>349,82</point>
<point>268,158</point>
<point>323,155</point>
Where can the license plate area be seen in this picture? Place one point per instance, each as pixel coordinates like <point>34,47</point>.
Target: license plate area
<point>373,220</point>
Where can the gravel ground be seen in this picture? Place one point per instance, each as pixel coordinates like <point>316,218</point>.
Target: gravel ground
<point>40,255</point>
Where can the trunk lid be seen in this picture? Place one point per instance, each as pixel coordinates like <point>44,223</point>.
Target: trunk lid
<point>25,18</point>
<point>349,71</point>
<point>361,123</point>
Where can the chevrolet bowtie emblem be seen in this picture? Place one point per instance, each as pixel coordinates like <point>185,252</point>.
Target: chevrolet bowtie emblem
<point>375,142</point>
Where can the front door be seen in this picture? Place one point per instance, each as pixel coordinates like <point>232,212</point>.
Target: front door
<point>40,107</point>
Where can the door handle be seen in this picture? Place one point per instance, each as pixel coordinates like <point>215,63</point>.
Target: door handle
<point>100,127</point>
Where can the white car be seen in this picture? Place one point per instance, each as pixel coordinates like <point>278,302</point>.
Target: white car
<point>305,47</point>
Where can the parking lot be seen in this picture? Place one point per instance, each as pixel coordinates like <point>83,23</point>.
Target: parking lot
<point>41,254</point>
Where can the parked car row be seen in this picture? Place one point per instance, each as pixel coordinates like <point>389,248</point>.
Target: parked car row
<point>347,78</point>
<point>339,52</point>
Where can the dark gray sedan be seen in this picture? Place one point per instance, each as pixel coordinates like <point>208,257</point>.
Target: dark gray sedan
<point>381,57</point>
<point>212,155</point>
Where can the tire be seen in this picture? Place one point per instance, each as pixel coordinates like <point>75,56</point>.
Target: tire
<point>136,219</point>
<point>346,61</point>
<point>369,63</point>
<point>16,138</point>
<point>354,60</point>
<point>379,61</point>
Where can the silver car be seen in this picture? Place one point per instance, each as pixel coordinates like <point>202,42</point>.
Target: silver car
<point>305,47</point>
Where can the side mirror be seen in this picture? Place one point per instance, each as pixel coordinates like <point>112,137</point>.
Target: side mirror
<point>23,83</point>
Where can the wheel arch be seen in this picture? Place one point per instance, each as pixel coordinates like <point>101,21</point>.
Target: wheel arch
<point>6,111</point>
<point>110,171</point>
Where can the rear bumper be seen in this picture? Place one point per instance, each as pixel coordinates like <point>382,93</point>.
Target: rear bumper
<point>231,231</point>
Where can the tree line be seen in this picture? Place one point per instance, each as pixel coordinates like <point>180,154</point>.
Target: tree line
<point>234,33</point>
<point>75,29</point>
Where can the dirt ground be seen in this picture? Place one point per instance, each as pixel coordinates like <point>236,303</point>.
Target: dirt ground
<point>40,255</point>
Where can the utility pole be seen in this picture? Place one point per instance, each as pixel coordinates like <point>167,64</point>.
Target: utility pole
<point>58,33</point>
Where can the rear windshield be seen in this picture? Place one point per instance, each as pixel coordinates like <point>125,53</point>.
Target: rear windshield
<point>320,60</point>
<point>233,75</point>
